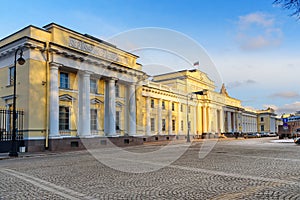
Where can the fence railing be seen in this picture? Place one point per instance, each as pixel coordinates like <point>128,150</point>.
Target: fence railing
<point>6,124</point>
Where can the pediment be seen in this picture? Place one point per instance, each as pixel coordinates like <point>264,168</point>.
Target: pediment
<point>119,104</point>
<point>66,97</point>
<point>96,101</point>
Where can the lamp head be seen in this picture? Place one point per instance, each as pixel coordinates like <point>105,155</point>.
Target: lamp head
<point>21,60</point>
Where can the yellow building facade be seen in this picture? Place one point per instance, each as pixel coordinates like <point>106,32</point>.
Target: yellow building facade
<point>76,86</point>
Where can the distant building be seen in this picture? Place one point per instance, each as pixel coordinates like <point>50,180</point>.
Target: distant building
<point>266,121</point>
<point>77,87</point>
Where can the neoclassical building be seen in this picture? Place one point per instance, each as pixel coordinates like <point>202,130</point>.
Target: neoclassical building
<point>74,86</point>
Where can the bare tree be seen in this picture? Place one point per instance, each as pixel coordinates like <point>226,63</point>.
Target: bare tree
<point>293,5</point>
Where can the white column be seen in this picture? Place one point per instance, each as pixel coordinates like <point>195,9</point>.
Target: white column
<point>216,120</point>
<point>221,121</point>
<point>179,119</point>
<point>170,118</point>
<point>148,120</point>
<point>209,119</point>
<point>234,122</point>
<point>229,121</point>
<point>204,109</point>
<point>132,110</point>
<point>54,102</point>
<point>110,108</point>
<point>199,119</point>
<point>195,120</point>
<point>84,104</point>
<point>159,116</point>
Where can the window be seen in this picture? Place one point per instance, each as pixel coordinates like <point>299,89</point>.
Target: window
<point>118,120</point>
<point>261,119</point>
<point>64,80</point>
<point>93,86</point>
<point>117,91</point>
<point>173,125</point>
<point>163,105</point>
<point>11,76</point>
<point>181,125</point>
<point>173,107</point>
<point>93,119</point>
<point>189,109</point>
<point>262,128</point>
<point>152,103</point>
<point>163,125</point>
<point>181,108</point>
<point>152,124</point>
<point>64,118</point>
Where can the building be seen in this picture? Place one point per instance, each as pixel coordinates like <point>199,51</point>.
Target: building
<point>76,87</point>
<point>266,121</point>
<point>291,127</point>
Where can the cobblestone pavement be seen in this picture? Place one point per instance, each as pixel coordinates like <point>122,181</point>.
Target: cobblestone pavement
<point>234,169</point>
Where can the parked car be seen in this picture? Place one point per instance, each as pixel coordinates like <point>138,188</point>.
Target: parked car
<point>264,134</point>
<point>272,135</point>
<point>297,140</point>
<point>252,135</point>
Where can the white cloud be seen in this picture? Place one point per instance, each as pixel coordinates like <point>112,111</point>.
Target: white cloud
<point>257,31</point>
<point>256,18</point>
<point>235,84</point>
<point>286,108</point>
<point>287,95</point>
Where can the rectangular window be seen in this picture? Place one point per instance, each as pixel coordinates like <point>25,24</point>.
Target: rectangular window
<point>173,125</point>
<point>117,91</point>
<point>11,76</point>
<point>163,125</point>
<point>173,107</point>
<point>93,86</point>
<point>64,118</point>
<point>163,106</point>
<point>93,119</point>
<point>261,119</point>
<point>152,103</point>
<point>152,124</point>
<point>189,109</point>
<point>181,125</point>
<point>118,120</point>
<point>181,108</point>
<point>262,128</point>
<point>64,80</point>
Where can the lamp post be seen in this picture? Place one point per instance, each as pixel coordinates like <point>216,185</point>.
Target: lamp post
<point>203,92</point>
<point>21,61</point>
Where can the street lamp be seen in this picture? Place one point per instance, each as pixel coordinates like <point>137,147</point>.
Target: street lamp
<point>21,61</point>
<point>203,92</point>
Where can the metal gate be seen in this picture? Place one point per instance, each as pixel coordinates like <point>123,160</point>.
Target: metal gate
<point>6,129</point>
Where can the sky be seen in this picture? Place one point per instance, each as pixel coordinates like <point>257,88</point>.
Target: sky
<point>253,44</point>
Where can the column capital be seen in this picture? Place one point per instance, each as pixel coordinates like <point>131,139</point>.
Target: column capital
<point>55,66</point>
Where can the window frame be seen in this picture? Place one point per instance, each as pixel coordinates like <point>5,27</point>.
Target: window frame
<point>93,90</point>
<point>152,124</point>
<point>94,122</point>
<point>66,78</point>
<point>117,90</point>
<point>163,124</point>
<point>67,119</point>
<point>118,120</point>
<point>152,104</point>
<point>173,124</point>
<point>11,77</point>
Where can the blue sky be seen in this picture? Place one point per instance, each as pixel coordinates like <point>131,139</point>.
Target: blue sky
<point>254,45</point>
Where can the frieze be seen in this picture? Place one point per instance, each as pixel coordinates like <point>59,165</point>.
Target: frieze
<point>97,51</point>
